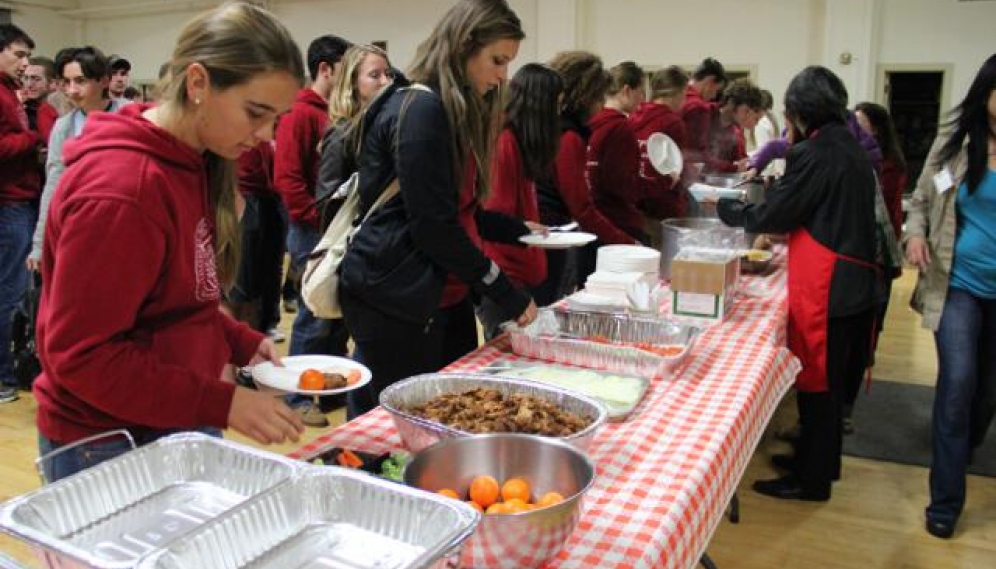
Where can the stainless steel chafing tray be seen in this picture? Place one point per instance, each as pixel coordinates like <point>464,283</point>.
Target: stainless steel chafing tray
<point>327,517</point>
<point>603,340</point>
<point>418,433</point>
<point>109,516</point>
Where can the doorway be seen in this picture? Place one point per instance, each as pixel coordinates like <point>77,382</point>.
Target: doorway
<point>914,100</point>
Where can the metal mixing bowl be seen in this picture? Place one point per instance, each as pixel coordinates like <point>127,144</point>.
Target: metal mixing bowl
<point>510,541</point>
<point>418,433</point>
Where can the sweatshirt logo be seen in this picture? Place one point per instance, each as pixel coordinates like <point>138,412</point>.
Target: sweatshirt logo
<point>206,274</point>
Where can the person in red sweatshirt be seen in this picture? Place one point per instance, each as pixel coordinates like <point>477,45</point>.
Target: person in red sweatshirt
<point>707,83</point>
<point>741,107</point>
<point>34,94</point>
<point>614,153</point>
<point>20,185</point>
<point>295,171</point>
<point>141,240</point>
<point>524,153</point>
<point>566,195</point>
<point>664,197</point>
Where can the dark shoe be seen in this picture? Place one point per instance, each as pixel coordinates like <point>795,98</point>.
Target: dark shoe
<point>8,393</point>
<point>789,435</point>
<point>942,530</point>
<point>290,306</point>
<point>311,415</point>
<point>788,488</point>
<point>783,461</point>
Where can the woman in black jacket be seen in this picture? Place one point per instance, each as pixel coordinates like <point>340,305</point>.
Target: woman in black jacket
<point>406,279</point>
<point>826,202</point>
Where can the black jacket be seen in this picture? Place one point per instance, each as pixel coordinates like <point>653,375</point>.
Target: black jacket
<point>828,189</point>
<point>398,261</point>
<point>336,163</point>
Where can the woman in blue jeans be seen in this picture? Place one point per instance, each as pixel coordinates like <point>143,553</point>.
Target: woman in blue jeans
<point>951,238</point>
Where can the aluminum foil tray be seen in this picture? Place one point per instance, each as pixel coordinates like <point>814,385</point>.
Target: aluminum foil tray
<point>327,517</point>
<point>110,515</point>
<point>418,433</point>
<point>567,336</point>
<point>528,369</point>
<point>8,563</point>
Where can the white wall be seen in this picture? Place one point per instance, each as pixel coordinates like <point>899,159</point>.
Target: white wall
<point>50,31</point>
<point>148,40</point>
<point>939,32</point>
<point>780,37</point>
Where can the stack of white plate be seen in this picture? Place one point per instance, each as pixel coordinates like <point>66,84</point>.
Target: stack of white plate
<point>615,286</point>
<point>629,259</point>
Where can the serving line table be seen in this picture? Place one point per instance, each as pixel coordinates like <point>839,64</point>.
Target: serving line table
<point>666,475</point>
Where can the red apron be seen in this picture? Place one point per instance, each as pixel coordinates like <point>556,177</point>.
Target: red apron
<point>810,273</point>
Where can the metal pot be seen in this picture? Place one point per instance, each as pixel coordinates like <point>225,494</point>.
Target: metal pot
<point>674,229</point>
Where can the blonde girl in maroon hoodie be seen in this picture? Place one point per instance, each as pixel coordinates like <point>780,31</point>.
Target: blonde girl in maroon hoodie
<point>142,238</point>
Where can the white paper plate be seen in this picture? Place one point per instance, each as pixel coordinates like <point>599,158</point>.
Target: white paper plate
<point>558,240</point>
<point>705,192</point>
<point>286,378</point>
<point>664,154</point>
<point>584,300</point>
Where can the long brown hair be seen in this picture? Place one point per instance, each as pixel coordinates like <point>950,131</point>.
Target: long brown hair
<point>585,81</point>
<point>441,64</point>
<point>234,42</point>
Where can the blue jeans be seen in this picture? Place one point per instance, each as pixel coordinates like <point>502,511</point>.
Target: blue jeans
<point>86,455</point>
<point>965,399</point>
<point>17,224</point>
<point>311,335</point>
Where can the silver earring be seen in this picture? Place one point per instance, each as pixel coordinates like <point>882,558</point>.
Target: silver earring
<point>197,101</point>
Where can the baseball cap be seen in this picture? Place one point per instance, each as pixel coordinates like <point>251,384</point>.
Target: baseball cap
<point>116,62</point>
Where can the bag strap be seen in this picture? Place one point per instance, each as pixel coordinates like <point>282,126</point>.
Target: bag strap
<point>395,186</point>
<point>389,192</point>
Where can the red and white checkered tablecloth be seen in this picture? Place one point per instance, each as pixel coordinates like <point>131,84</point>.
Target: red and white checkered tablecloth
<point>665,476</point>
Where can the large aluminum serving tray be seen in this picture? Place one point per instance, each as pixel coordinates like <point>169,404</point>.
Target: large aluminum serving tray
<point>418,433</point>
<point>327,517</point>
<point>110,515</point>
<point>565,335</point>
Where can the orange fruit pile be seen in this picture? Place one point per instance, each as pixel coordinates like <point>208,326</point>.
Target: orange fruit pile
<point>511,497</point>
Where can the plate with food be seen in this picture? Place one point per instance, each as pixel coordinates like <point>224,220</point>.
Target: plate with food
<point>312,375</point>
<point>558,240</point>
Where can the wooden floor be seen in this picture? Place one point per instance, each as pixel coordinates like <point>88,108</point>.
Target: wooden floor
<point>875,519</point>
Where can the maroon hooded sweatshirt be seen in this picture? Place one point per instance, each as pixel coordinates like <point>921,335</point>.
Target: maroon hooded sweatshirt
<point>613,161</point>
<point>130,334</point>
<point>295,164</point>
<point>20,176</point>
<point>663,198</point>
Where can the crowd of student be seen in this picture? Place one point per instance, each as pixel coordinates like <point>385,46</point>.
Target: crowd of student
<point>130,216</point>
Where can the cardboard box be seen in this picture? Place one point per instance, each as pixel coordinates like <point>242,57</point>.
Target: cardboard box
<point>703,286</point>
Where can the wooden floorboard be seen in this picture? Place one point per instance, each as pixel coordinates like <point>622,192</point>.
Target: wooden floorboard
<point>875,519</point>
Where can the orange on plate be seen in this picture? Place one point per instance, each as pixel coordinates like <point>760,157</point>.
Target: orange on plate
<point>515,488</point>
<point>311,380</point>
<point>484,490</point>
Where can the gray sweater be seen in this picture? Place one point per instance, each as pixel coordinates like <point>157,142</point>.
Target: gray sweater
<point>66,128</point>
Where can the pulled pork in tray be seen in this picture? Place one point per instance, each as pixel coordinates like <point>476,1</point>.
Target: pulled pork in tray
<point>485,410</point>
